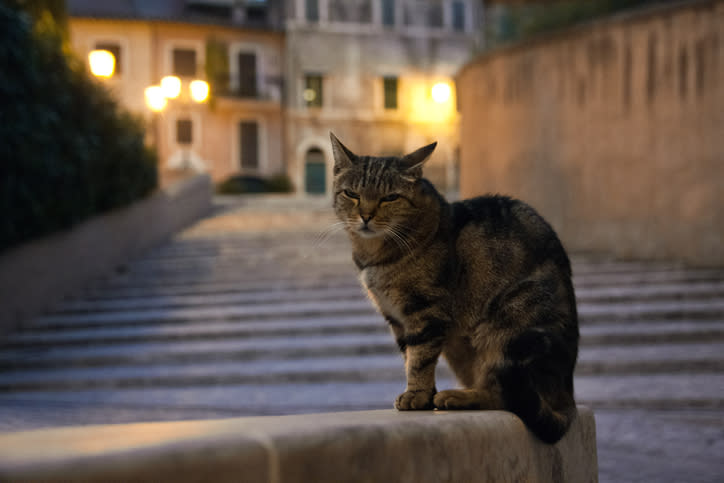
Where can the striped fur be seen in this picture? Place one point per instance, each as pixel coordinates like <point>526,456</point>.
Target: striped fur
<point>484,282</point>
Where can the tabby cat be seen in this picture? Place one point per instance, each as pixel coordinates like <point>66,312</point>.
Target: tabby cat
<point>483,282</point>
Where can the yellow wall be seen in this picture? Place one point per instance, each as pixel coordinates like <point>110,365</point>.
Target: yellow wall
<point>146,58</point>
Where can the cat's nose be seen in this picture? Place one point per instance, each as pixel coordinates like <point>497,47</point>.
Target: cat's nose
<point>365,218</point>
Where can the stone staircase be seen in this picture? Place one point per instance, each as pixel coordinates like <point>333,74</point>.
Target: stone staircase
<point>241,315</point>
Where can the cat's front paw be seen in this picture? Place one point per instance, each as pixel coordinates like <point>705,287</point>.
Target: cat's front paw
<point>412,400</point>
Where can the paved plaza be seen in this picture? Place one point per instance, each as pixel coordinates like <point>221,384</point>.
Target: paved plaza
<point>256,310</point>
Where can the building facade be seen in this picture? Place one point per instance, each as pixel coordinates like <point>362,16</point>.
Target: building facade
<point>238,50</point>
<point>365,69</point>
<point>283,74</point>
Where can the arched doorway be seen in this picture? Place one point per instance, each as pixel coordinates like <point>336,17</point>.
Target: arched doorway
<point>315,172</point>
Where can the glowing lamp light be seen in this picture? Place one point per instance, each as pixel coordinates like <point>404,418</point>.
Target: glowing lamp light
<point>309,95</point>
<point>440,92</point>
<point>199,90</point>
<point>171,86</point>
<point>102,63</point>
<point>155,98</point>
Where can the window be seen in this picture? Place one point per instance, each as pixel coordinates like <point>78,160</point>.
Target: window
<point>313,90</point>
<point>434,15</point>
<point>184,131</point>
<point>249,141</point>
<point>114,49</point>
<point>184,62</point>
<point>312,10</point>
<point>356,11</point>
<point>424,13</point>
<point>247,74</point>
<point>390,85</point>
<point>458,16</point>
<point>388,12</point>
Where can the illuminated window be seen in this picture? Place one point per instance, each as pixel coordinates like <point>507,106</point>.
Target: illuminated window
<point>184,131</point>
<point>313,90</point>
<point>184,62</point>
<point>390,84</point>
<point>114,49</point>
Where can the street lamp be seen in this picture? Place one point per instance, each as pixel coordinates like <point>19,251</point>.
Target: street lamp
<point>102,63</point>
<point>441,92</point>
<point>199,90</point>
<point>155,98</point>
<point>170,87</point>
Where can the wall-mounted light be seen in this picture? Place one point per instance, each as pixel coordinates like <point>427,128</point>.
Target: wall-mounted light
<point>171,86</point>
<point>199,90</point>
<point>441,92</point>
<point>155,98</point>
<point>102,63</point>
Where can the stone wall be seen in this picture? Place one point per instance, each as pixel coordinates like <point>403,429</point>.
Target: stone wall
<point>416,446</point>
<point>614,131</point>
<point>38,274</point>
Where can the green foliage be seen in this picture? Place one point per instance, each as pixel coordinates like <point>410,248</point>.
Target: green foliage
<point>242,184</point>
<point>280,183</point>
<point>217,66</point>
<point>68,151</point>
<point>520,22</point>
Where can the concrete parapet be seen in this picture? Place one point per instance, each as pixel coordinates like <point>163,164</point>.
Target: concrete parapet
<point>37,274</point>
<point>426,446</point>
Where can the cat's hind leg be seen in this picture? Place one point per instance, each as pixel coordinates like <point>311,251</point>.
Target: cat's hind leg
<point>467,399</point>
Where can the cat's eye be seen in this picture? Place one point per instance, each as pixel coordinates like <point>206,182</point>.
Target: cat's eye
<point>351,194</point>
<point>391,197</point>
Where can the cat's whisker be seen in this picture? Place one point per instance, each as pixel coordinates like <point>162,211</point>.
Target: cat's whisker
<point>324,235</point>
<point>398,237</point>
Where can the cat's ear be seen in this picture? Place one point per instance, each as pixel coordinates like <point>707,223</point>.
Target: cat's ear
<point>343,157</point>
<point>412,163</point>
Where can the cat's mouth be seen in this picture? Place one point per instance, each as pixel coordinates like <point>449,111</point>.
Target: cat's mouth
<point>365,231</point>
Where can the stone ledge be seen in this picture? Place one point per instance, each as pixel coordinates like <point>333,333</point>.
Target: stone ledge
<point>39,273</point>
<point>371,446</point>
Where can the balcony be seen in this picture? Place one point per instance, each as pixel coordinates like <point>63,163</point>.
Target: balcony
<point>246,90</point>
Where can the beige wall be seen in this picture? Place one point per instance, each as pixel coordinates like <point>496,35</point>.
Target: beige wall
<point>353,58</point>
<point>146,57</point>
<point>614,131</point>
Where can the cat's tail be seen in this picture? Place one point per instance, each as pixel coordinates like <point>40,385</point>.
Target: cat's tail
<point>522,399</point>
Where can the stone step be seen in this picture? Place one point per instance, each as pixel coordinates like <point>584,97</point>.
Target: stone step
<point>637,359</point>
<point>250,254</point>
<point>214,299</point>
<point>647,331</point>
<point>201,350</point>
<point>651,390</point>
<point>205,282</point>
<point>709,309</point>
<point>354,306</point>
<point>221,288</point>
<point>195,330</point>
<point>663,391</point>
<point>224,271</point>
<point>697,290</point>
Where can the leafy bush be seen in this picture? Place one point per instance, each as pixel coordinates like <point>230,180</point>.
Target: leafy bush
<point>519,22</point>
<point>246,184</point>
<point>67,150</point>
<point>280,183</point>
